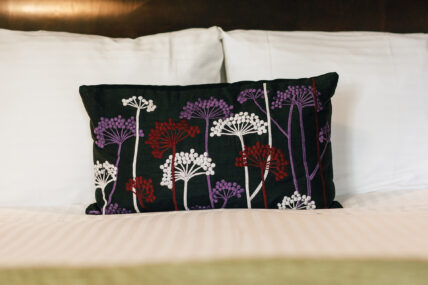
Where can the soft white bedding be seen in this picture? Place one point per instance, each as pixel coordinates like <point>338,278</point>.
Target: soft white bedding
<point>411,200</point>
<point>374,226</point>
<point>46,153</point>
<point>379,129</point>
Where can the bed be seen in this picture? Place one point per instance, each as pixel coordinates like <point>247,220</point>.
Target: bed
<point>382,242</point>
<point>378,237</point>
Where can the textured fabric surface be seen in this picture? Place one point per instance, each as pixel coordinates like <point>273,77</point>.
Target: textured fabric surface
<point>410,200</point>
<point>250,271</point>
<point>379,122</point>
<point>45,148</point>
<point>251,144</point>
<point>392,229</point>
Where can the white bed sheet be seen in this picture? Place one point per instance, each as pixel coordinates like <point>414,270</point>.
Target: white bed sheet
<point>374,225</point>
<point>410,200</point>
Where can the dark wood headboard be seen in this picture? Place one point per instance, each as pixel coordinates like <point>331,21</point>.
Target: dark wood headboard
<point>133,18</point>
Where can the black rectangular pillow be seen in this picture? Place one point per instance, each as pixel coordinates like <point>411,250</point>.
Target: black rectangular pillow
<point>263,144</point>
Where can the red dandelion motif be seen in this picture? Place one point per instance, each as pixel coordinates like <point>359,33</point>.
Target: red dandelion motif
<point>143,189</point>
<point>266,158</point>
<point>165,136</point>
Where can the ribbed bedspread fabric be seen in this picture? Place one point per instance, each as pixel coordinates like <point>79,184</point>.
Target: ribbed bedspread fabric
<point>379,226</point>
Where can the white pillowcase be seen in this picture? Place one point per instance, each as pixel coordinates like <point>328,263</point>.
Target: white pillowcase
<point>380,108</point>
<point>45,145</point>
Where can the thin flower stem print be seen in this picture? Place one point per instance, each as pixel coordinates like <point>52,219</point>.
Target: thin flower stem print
<point>140,104</point>
<point>290,147</point>
<point>104,174</point>
<point>115,131</point>
<point>324,138</point>
<point>187,165</point>
<point>207,110</point>
<point>226,190</point>
<point>240,125</point>
<point>266,158</point>
<point>300,97</point>
<point>268,117</point>
<point>166,136</point>
<point>254,95</point>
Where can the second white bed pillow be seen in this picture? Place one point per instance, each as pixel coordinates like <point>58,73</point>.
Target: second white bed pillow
<point>379,128</point>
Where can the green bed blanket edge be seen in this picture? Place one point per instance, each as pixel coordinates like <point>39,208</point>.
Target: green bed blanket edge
<point>248,271</point>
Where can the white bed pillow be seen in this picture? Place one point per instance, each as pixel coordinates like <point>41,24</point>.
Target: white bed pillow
<point>45,147</point>
<point>380,110</point>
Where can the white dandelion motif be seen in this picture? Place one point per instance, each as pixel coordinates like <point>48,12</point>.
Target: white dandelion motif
<point>297,202</point>
<point>104,174</point>
<point>187,165</point>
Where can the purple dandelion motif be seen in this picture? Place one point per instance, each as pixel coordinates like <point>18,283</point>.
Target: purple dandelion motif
<point>115,209</point>
<point>250,94</point>
<point>324,135</point>
<point>112,209</point>
<point>211,109</point>
<point>300,96</point>
<point>226,190</point>
<point>115,131</point>
<point>207,109</point>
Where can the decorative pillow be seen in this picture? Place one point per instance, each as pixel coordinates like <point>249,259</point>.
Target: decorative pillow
<point>263,144</point>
